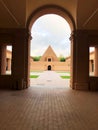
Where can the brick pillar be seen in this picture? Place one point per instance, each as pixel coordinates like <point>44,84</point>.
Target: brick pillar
<point>9,64</point>
<point>96,61</point>
<point>90,66</point>
<point>18,60</point>
<point>2,59</point>
<point>72,62</point>
<point>80,61</point>
<point>27,58</point>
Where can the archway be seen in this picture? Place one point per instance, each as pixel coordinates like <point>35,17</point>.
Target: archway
<point>50,9</point>
<point>49,67</point>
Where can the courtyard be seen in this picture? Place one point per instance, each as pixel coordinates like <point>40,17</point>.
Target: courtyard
<point>49,79</point>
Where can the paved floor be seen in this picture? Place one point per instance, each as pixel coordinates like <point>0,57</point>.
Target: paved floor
<point>50,79</point>
<point>48,108</point>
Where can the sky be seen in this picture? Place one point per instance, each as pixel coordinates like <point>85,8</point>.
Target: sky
<point>51,30</point>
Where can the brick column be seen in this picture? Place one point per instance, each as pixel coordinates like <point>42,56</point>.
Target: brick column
<point>27,58</point>
<point>18,59</point>
<point>90,66</point>
<point>2,59</point>
<point>80,61</point>
<point>9,64</point>
<point>73,58</point>
<point>96,61</point>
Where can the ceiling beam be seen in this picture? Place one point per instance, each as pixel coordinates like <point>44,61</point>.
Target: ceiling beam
<point>90,17</point>
<point>11,14</point>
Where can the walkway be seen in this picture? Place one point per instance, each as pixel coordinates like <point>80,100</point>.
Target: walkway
<point>49,79</point>
<point>48,108</point>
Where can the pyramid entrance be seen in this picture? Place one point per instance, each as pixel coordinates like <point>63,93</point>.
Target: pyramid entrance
<point>49,67</point>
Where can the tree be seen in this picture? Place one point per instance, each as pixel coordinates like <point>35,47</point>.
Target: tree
<point>36,58</point>
<point>62,58</point>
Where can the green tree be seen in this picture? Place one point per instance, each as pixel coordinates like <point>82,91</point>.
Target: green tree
<point>62,58</point>
<point>36,58</point>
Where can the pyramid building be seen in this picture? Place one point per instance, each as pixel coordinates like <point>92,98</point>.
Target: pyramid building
<point>49,61</point>
<point>49,55</point>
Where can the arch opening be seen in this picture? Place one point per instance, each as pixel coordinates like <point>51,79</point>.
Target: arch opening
<point>50,10</point>
<point>49,67</point>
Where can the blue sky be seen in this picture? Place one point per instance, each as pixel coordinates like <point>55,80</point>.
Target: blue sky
<point>51,30</point>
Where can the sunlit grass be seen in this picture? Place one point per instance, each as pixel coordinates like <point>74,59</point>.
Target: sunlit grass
<point>34,76</point>
<point>65,77</point>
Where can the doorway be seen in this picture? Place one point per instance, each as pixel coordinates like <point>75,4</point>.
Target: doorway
<point>49,67</point>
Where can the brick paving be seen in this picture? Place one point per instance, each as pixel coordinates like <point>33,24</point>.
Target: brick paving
<point>48,108</point>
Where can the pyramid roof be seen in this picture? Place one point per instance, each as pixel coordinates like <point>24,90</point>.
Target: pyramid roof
<point>49,53</point>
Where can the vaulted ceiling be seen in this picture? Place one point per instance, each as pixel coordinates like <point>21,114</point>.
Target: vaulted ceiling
<point>15,13</point>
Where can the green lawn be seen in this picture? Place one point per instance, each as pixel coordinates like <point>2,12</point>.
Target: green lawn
<point>34,76</point>
<point>65,77</point>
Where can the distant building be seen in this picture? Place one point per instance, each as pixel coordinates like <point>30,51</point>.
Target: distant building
<point>49,61</point>
<point>8,60</point>
<point>91,61</point>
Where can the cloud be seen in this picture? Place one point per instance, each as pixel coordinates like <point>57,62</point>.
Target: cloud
<point>50,30</point>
